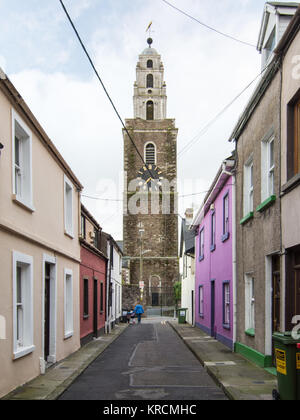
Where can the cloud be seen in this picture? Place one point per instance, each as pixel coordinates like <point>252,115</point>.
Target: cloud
<point>203,72</point>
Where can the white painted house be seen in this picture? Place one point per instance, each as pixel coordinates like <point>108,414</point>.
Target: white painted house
<point>187,267</point>
<point>114,281</point>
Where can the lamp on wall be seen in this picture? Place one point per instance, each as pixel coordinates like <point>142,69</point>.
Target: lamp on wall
<point>1,147</point>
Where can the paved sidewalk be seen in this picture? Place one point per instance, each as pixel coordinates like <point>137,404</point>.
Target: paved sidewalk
<point>239,378</point>
<point>59,377</point>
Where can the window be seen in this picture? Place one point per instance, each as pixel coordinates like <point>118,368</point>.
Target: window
<point>68,303</point>
<point>213,231</point>
<point>150,110</point>
<point>293,137</point>
<point>297,138</point>
<point>270,45</point>
<point>149,64</point>
<point>185,266</point>
<point>68,202</point>
<point>101,298</point>
<point>22,161</point>
<point>201,301</point>
<point>226,304</point>
<point>23,304</point>
<point>149,80</point>
<point>111,255</point>
<point>248,188</point>
<point>267,169</point>
<point>150,154</point>
<point>83,227</point>
<point>225,217</point>
<point>249,303</point>
<point>96,238</point>
<point>85,298</point>
<point>201,244</point>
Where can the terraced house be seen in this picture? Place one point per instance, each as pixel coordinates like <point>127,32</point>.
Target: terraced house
<point>39,247</point>
<point>258,140</point>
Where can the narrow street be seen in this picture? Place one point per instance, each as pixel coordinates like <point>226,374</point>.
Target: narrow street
<point>147,362</point>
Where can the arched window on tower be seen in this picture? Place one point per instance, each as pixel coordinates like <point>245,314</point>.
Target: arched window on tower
<point>149,80</point>
<point>150,154</point>
<point>150,110</point>
<point>149,64</point>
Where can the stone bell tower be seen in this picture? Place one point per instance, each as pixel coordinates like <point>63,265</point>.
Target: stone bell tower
<point>150,224</point>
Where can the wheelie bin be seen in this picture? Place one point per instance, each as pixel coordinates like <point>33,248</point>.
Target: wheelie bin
<point>182,315</point>
<point>287,354</point>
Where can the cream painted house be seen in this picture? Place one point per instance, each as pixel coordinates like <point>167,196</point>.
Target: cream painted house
<point>289,53</point>
<point>39,247</point>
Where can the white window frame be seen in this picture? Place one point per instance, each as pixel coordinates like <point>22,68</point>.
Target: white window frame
<point>201,300</point>
<point>249,302</point>
<point>22,172</point>
<point>201,244</point>
<point>226,303</point>
<point>248,187</point>
<point>68,303</point>
<point>267,168</point>
<point>68,207</point>
<point>25,345</point>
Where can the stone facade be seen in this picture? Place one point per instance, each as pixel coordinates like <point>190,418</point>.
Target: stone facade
<point>258,251</point>
<point>150,228</point>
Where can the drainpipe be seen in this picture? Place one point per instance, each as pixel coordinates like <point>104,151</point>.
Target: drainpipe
<point>106,296</point>
<point>234,305</point>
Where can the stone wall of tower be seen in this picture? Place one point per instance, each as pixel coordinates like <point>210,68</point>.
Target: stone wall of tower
<point>158,268</point>
<point>160,237</point>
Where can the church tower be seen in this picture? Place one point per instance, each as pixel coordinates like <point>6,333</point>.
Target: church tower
<point>150,224</point>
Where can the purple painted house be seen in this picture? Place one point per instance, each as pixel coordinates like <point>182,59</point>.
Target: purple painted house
<point>214,279</point>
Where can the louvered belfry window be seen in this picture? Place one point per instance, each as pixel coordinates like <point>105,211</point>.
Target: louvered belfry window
<point>150,154</point>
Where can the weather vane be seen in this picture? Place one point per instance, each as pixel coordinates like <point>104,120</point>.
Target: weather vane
<point>149,29</point>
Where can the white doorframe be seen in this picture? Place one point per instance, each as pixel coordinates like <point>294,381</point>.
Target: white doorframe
<point>268,305</point>
<point>53,307</point>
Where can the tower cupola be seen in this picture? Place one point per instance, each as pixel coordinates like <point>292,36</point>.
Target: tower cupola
<point>150,100</point>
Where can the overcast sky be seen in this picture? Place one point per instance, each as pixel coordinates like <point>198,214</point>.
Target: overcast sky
<point>203,72</point>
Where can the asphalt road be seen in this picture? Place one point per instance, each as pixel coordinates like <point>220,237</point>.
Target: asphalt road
<point>147,362</point>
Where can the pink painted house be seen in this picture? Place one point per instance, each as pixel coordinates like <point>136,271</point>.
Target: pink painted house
<point>214,275</point>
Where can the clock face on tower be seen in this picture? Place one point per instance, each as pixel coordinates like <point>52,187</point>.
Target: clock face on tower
<point>149,177</point>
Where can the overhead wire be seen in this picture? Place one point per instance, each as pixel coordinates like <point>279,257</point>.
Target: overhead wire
<point>202,131</point>
<point>103,86</point>
<point>196,138</point>
<point>208,26</point>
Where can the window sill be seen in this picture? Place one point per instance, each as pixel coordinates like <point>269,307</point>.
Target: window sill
<point>69,335</point>
<point>23,204</point>
<point>250,332</point>
<point>212,248</point>
<point>267,203</point>
<point>291,184</point>
<point>225,237</point>
<point>86,316</point>
<point>226,326</point>
<point>246,219</point>
<point>201,258</point>
<point>70,235</point>
<point>23,351</point>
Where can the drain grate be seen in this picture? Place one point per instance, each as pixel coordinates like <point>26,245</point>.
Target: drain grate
<point>227,363</point>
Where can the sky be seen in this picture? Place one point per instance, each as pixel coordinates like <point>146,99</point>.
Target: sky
<point>204,72</point>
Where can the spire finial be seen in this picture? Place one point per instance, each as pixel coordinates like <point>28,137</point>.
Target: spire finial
<point>149,40</point>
